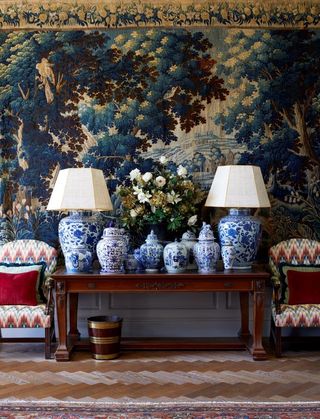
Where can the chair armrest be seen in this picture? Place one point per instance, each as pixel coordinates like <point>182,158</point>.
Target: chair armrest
<point>49,294</point>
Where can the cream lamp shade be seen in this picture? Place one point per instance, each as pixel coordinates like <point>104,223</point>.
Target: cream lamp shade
<point>238,186</point>
<point>80,189</point>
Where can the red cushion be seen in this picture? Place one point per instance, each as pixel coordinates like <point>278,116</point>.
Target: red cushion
<point>304,287</point>
<point>18,288</point>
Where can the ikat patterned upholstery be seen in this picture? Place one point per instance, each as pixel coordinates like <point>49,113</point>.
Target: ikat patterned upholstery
<point>295,252</point>
<point>27,251</point>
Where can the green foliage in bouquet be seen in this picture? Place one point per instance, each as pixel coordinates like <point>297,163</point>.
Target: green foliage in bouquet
<point>161,197</point>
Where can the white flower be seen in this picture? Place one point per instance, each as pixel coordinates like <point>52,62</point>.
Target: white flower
<point>173,198</point>
<point>192,220</point>
<point>182,171</point>
<point>134,174</point>
<point>143,197</point>
<point>160,181</point>
<point>147,176</point>
<point>163,160</point>
<point>136,190</point>
<point>133,213</point>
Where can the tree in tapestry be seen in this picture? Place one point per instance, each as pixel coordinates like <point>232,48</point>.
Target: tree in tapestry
<point>274,109</point>
<point>82,98</point>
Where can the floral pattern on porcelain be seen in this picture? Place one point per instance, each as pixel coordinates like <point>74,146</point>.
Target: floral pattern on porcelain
<point>79,230</point>
<point>189,239</point>
<point>206,251</point>
<point>175,256</point>
<point>151,253</point>
<point>78,259</point>
<point>111,250</point>
<point>228,253</point>
<point>243,231</point>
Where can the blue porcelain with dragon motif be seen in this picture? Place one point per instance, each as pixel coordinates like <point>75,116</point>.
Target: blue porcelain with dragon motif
<point>243,232</point>
<point>78,259</point>
<point>151,253</point>
<point>206,251</point>
<point>176,257</point>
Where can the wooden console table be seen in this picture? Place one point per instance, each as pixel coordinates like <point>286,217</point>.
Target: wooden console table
<point>244,282</point>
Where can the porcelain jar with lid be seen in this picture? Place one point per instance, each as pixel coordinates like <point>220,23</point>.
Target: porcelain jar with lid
<point>151,253</point>
<point>206,251</point>
<point>111,250</point>
<point>189,239</point>
<point>175,256</point>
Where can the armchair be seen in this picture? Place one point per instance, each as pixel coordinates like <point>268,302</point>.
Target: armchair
<point>295,267</point>
<point>29,297</point>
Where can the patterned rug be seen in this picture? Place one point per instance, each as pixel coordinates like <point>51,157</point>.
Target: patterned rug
<point>161,410</point>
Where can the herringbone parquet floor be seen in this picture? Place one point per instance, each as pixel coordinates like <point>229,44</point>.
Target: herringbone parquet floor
<point>161,376</point>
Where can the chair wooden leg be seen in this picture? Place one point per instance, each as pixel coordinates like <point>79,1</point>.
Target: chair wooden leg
<point>47,343</point>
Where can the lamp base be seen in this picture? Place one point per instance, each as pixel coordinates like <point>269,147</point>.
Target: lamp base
<point>79,234</point>
<point>239,234</point>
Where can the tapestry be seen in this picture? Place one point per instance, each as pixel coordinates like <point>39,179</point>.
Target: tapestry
<point>120,99</point>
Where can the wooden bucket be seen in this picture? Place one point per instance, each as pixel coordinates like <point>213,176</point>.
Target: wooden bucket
<point>105,335</point>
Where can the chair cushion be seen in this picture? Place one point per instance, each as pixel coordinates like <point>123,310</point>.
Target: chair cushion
<point>24,316</point>
<point>18,288</point>
<point>27,267</point>
<point>304,287</point>
<point>303,315</point>
<point>285,290</point>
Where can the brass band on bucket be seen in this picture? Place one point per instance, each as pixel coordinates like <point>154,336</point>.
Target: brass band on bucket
<point>103,325</point>
<point>101,341</point>
<point>109,356</point>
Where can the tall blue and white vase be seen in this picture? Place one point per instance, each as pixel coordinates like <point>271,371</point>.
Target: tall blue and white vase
<point>206,251</point>
<point>176,257</point>
<point>151,253</point>
<point>79,230</point>
<point>243,232</point>
<point>111,250</point>
<point>189,239</point>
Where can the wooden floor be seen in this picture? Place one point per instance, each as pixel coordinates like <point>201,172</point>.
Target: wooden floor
<point>158,376</point>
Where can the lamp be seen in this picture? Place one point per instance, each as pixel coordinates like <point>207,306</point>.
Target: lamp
<point>238,188</point>
<point>79,190</point>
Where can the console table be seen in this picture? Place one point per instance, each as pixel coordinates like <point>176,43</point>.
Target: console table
<point>244,282</point>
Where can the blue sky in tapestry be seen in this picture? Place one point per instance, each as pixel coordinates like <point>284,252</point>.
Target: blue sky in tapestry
<point>116,100</point>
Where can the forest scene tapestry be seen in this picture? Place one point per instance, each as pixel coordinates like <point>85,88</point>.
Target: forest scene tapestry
<point>117,100</point>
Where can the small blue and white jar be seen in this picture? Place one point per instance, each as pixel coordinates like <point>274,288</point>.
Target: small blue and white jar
<point>189,239</point>
<point>151,253</point>
<point>176,257</point>
<point>206,251</point>
<point>78,259</point>
<point>111,250</point>
<point>131,263</point>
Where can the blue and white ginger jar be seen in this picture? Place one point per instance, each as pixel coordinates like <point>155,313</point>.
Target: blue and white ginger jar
<point>176,257</point>
<point>111,250</point>
<point>78,259</point>
<point>206,251</point>
<point>151,253</point>
<point>189,239</point>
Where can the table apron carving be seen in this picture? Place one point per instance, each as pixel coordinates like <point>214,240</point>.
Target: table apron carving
<point>70,285</point>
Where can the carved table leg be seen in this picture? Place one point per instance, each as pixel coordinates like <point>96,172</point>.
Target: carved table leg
<point>74,333</point>
<point>244,332</point>
<point>62,352</point>
<point>258,351</point>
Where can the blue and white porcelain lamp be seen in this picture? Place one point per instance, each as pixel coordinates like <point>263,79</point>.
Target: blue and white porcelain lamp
<point>239,188</point>
<point>80,191</point>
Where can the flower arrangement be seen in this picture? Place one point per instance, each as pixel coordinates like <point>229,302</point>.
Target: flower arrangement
<point>162,197</point>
